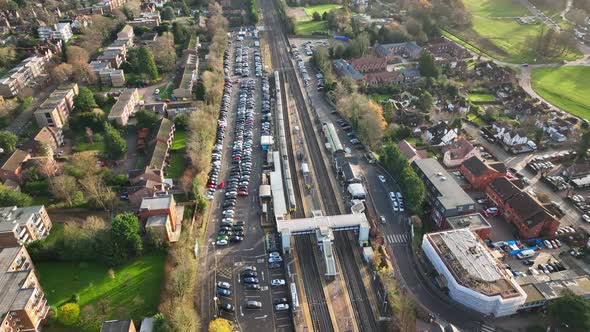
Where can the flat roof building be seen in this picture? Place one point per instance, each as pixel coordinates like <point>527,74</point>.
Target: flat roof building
<point>473,276</point>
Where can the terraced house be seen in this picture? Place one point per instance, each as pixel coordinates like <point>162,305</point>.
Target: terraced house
<point>23,305</point>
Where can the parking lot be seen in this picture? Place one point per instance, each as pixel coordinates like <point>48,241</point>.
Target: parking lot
<point>247,285</point>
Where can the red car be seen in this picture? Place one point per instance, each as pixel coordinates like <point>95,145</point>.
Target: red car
<point>211,185</point>
<point>221,184</point>
<point>166,100</point>
<point>485,213</point>
<point>242,193</point>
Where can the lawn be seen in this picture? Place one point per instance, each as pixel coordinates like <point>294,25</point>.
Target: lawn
<point>564,87</point>
<point>476,119</point>
<point>166,92</point>
<point>306,26</point>
<point>85,146</point>
<point>481,97</point>
<point>179,141</point>
<point>378,98</point>
<point>496,31</point>
<point>133,292</point>
<point>177,165</point>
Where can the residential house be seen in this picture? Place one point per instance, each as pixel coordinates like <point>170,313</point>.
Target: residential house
<point>124,107</point>
<point>114,57</point>
<point>12,168</point>
<point>102,7</point>
<point>51,138</point>
<point>445,195</point>
<point>24,75</point>
<point>369,64</point>
<point>126,34</point>
<point>138,175</point>
<point>20,225</point>
<point>558,129</point>
<point>479,174</point>
<point>457,152</point>
<point>446,49</point>
<point>190,73</point>
<point>409,50</point>
<point>441,134</point>
<point>410,151</point>
<point>80,22</point>
<point>520,209</point>
<point>23,305</point>
<point>148,38</point>
<point>343,68</point>
<point>179,107</point>
<point>411,75</point>
<point>146,188</point>
<point>160,145</point>
<point>158,108</point>
<point>146,19</point>
<point>118,326</point>
<point>61,31</point>
<point>107,75</point>
<point>161,217</point>
<point>158,3</point>
<point>514,137</point>
<point>55,110</point>
<point>384,77</point>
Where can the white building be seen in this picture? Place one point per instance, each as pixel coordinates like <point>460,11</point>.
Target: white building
<point>61,31</point>
<point>441,134</point>
<point>473,276</point>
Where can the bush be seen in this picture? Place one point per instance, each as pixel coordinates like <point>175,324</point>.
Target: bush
<point>75,298</point>
<point>69,314</point>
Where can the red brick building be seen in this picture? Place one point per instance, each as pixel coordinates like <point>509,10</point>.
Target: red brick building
<point>369,64</point>
<point>520,209</point>
<point>384,77</point>
<point>479,174</point>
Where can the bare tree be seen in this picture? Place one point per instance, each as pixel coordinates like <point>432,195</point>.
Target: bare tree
<point>63,188</point>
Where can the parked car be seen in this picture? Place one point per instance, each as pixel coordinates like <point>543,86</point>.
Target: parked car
<point>226,307</point>
<point>277,282</point>
<point>282,307</point>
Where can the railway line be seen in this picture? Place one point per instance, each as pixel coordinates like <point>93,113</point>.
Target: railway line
<point>305,245</point>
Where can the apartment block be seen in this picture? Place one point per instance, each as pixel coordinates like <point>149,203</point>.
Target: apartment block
<point>21,76</point>
<point>19,225</point>
<point>162,216</point>
<point>126,34</point>
<point>146,19</point>
<point>61,31</point>
<point>124,107</point>
<point>189,76</point>
<point>23,305</point>
<point>55,110</point>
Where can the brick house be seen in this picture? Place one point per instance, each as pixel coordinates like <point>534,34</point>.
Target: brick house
<point>479,174</point>
<point>410,152</point>
<point>12,169</point>
<point>457,152</point>
<point>384,77</point>
<point>162,217</point>
<point>390,52</point>
<point>369,64</point>
<point>527,214</point>
<point>23,305</point>
<point>159,146</point>
<point>118,326</point>
<point>50,137</point>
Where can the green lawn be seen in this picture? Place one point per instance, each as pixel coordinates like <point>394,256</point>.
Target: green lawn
<point>306,26</point>
<point>476,119</point>
<point>378,98</point>
<point>166,92</point>
<point>481,97</point>
<point>497,32</point>
<point>133,293</point>
<point>177,165</point>
<point>85,146</point>
<point>179,141</point>
<point>565,87</point>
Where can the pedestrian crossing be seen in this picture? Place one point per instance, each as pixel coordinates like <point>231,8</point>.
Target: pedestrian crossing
<point>396,238</point>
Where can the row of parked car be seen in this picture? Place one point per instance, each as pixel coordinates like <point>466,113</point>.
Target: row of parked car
<point>301,66</point>
<point>242,66</point>
<point>397,200</point>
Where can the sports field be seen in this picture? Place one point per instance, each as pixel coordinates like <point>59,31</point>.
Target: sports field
<point>305,24</point>
<point>564,87</point>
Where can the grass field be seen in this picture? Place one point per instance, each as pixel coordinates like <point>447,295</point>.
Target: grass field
<point>306,26</point>
<point>496,31</point>
<point>134,290</point>
<point>177,165</point>
<point>179,141</point>
<point>481,97</point>
<point>564,87</point>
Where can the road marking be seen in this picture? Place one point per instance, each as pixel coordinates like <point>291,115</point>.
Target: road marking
<point>396,238</point>
<point>241,311</point>
<point>253,296</point>
<point>261,317</point>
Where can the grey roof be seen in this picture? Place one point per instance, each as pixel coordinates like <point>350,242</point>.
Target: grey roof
<point>12,297</point>
<point>451,194</point>
<point>156,203</point>
<point>157,221</point>
<point>116,326</point>
<point>345,69</point>
<point>11,216</point>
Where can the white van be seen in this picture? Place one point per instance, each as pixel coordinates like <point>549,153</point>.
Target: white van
<point>525,254</point>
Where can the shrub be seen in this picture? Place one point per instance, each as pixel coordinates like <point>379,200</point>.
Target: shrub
<point>69,314</point>
<point>75,298</point>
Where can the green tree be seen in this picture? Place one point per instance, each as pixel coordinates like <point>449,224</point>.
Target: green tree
<point>180,33</point>
<point>316,16</point>
<point>85,100</point>
<point>69,314</point>
<point>220,325</point>
<point>324,16</point>
<point>457,123</point>
<point>146,63</point>
<point>413,188</point>
<point>425,101</point>
<point>93,120</point>
<point>427,66</point>
<point>181,121</point>
<point>8,141</point>
<point>146,119</point>
<point>570,311</point>
<point>184,9</point>
<point>114,143</point>
<point>10,197</point>
<point>125,237</point>
<point>168,14</point>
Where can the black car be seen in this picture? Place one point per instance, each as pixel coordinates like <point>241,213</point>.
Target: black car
<point>252,287</point>
<point>249,273</point>
<point>226,307</point>
<point>236,238</point>
<point>281,300</point>
<point>275,265</point>
<point>528,262</point>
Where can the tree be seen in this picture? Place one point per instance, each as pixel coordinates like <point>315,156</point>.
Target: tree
<point>146,62</point>
<point>425,101</point>
<point>181,121</point>
<point>571,311</point>
<point>115,144</point>
<point>85,99</point>
<point>7,56</point>
<point>324,16</point>
<point>64,187</point>
<point>457,123</point>
<point>413,188</point>
<point>316,16</point>
<point>427,65</point>
<point>125,237</point>
<point>180,33</point>
<point>168,14</point>
<point>220,325</point>
<point>93,120</point>
<point>69,314</point>
<point>61,73</point>
<point>76,54</point>
<point>8,141</point>
<point>184,9</point>
<point>146,119</point>
<point>11,197</point>
<point>164,52</point>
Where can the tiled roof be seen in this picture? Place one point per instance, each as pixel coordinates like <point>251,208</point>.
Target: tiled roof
<point>504,188</point>
<point>475,166</point>
<point>15,160</point>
